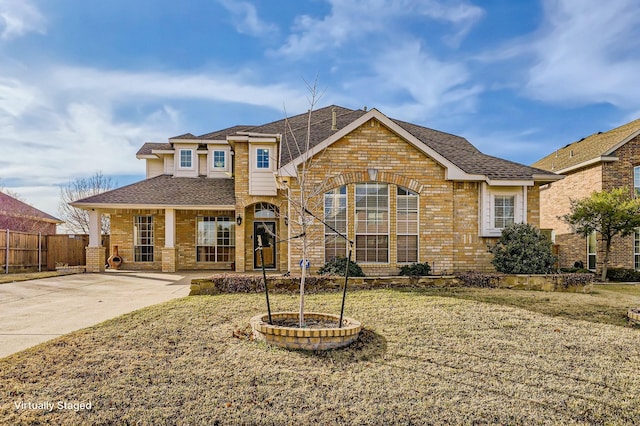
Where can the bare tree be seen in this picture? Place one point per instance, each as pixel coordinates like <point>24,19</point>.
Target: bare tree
<point>304,199</point>
<point>77,220</point>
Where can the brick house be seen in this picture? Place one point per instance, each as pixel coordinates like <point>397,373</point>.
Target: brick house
<point>18,216</point>
<point>602,161</point>
<point>401,192</point>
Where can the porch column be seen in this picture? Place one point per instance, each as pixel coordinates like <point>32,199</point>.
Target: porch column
<point>240,239</point>
<point>95,252</point>
<point>169,254</point>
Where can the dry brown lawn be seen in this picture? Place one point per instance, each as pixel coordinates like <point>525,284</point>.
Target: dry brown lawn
<point>424,358</point>
<point>25,276</point>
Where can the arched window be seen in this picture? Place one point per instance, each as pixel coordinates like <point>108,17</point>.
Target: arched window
<point>265,211</point>
<point>407,226</point>
<point>335,216</point>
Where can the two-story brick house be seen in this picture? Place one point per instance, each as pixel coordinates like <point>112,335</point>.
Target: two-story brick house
<point>602,161</point>
<point>401,192</point>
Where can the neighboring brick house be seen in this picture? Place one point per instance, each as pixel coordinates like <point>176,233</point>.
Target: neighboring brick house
<point>16,215</point>
<point>403,193</point>
<point>602,161</point>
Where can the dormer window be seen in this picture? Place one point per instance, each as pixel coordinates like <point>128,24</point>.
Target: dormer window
<point>262,158</point>
<point>219,160</point>
<point>186,158</point>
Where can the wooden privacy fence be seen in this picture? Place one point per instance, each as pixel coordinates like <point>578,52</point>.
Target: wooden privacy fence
<point>28,252</point>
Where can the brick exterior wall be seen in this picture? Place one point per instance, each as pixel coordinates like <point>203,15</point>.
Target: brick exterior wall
<point>448,211</point>
<point>555,201</point>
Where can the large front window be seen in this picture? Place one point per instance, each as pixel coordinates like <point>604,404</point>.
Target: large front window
<point>407,226</point>
<point>636,249</point>
<point>216,239</point>
<point>372,223</point>
<point>143,238</point>
<point>335,217</point>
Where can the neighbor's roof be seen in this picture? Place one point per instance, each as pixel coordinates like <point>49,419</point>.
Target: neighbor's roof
<point>10,206</point>
<point>589,149</point>
<point>166,191</point>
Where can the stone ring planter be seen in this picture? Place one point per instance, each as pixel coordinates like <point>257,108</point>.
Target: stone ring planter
<point>305,338</point>
<point>634,315</point>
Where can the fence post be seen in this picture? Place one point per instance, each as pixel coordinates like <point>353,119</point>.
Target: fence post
<point>39,251</point>
<point>6,265</point>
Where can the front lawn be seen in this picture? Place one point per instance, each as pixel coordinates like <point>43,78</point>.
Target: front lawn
<point>424,358</point>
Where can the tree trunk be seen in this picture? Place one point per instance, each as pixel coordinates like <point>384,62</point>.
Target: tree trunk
<point>605,263</point>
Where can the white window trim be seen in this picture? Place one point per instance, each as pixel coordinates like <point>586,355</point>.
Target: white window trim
<point>269,156</point>
<point>193,159</point>
<point>487,207</point>
<point>417,234</point>
<point>355,222</point>
<point>224,168</point>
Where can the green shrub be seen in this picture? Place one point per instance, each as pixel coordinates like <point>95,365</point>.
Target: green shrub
<point>522,249</point>
<point>337,266</point>
<point>623,275</point>
<point>416,269</point>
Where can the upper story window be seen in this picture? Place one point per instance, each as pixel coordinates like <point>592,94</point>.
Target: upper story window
<point>186,158</point>
<point>636,181</point>
<point>504,211</point>
<point>262,158</point>
<point>219,160</point>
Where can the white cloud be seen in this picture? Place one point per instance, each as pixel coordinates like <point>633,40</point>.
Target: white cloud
<point>356,20</point>
<point>124,86</point>
<point>246,19</point>
<point>587,52</point>
<point>18,17</point>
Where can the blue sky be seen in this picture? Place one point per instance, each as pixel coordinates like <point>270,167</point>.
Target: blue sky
<point>83,84</point>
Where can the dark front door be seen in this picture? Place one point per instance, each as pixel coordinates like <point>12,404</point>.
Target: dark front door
<point>267,232</point>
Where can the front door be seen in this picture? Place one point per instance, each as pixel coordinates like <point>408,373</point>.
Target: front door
<point>267,232</point>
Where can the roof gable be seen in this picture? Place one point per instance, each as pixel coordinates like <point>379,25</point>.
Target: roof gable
<point>589,150</point>
<point>460,158</point>
<point>13,207</point>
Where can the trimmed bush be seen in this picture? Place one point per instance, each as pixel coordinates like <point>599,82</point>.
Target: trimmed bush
<point>623,275</point>
<point>338,265</point>
<point>416,270</point>
<point>523,249</point>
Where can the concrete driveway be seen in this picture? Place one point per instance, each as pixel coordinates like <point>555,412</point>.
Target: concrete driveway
<point>35,311</point>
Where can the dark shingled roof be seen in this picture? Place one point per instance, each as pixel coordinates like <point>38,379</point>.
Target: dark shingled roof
<point>170,191</point>
<point>149,146</point>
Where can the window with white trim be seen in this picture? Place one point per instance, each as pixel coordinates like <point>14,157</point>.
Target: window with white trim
<point>372,222</point>
<point>143,237</point>
<point>636,249</point>
<point>407,226</point>
<point>216,239</point>
<point>504,209</point>
<point>636,181</point>
<point>219,161</point>
<point>592,243</point>
<point>335,216</point>
<point>262,158</point>
<point>501,206</point>
<point>186,158</point>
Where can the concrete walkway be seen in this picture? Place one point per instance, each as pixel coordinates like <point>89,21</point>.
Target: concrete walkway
<point>35,311</point>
